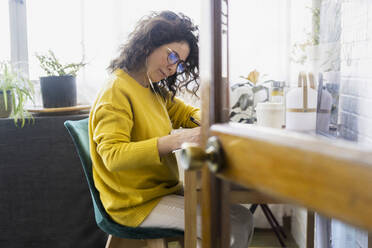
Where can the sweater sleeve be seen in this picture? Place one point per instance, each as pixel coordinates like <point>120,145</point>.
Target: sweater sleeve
<point>180,113</point>
<point>112,134</point>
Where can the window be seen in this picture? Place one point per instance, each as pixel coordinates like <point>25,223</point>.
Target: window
<point>5,32</point>
<point>262,33</point>
<point>92,30</point>
<point>54,25</point>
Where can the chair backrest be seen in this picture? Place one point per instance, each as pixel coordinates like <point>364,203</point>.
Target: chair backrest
<point>80,137</point>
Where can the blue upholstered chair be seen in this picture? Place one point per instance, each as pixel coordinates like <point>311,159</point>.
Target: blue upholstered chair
<point>119,235</point>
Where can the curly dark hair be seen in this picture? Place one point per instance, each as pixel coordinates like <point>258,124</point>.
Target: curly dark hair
<point>153,31</point>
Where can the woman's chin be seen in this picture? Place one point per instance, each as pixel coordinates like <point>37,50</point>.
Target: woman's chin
<point>157,79</point>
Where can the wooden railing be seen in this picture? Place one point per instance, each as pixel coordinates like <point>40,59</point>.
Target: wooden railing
<point>331,177</point>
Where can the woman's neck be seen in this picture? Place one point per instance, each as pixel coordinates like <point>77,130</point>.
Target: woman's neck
<point>140,77</point>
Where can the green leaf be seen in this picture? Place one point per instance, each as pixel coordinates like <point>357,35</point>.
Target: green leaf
<point>21,90</point>
<point>51,65</point>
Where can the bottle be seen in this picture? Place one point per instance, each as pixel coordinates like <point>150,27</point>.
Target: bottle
<point>277,92</point>
<point>301,105</point>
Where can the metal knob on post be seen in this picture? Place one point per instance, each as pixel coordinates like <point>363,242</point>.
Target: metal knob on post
<point>193,156</point>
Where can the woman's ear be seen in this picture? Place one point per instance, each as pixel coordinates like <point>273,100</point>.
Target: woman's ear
<point>146,63</point>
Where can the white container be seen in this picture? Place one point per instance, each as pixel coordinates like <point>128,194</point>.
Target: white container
<point>270,114</point>
<point>301,106</point>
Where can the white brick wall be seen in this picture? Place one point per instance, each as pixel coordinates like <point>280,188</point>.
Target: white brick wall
<point>355,117</point>
<point>355,111</point>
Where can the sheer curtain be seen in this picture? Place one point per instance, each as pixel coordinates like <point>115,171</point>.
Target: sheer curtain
<point>262,34</point>
<point>4,30</point>
<point>258,38</point>
<point>91,30</point>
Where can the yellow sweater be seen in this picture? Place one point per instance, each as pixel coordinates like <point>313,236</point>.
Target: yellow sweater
<point>124,125</point>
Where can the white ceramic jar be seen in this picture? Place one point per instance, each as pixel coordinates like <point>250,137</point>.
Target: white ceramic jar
<point>270,114</point>
<point>301,103</point>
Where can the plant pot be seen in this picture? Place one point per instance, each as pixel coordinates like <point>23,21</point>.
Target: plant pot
<point>5,113</point>
<point>58,91</point>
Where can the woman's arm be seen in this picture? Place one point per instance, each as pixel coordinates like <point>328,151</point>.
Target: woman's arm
<point>180,113</point>
<point>169,143</point>
<point>111,131</point>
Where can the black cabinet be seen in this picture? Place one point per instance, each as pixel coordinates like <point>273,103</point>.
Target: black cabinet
<point>44,197</point>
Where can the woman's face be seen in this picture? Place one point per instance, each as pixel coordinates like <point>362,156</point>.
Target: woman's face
<point>158,64</point>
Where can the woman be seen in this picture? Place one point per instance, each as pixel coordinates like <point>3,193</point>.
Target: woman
<point>131,121</point>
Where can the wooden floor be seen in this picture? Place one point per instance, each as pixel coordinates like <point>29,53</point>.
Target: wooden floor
<point>263,238</point>
<point>266,238</point>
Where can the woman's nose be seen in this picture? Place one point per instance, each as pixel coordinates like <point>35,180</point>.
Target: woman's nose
<point>172,69</point>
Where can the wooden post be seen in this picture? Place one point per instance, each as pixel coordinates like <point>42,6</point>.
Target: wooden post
<point>190,209</point>
<point>310,229</point>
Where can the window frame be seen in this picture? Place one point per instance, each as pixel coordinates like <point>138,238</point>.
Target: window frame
<point>18,35</point>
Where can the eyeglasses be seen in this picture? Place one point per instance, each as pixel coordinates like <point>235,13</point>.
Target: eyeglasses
<point>174,59</point>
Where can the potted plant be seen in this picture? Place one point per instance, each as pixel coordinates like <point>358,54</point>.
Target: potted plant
<point>308,50</point>
<point>58,88</point>
<point>15,91</point>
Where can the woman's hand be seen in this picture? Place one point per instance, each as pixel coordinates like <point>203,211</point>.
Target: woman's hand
<point>174,141</point>
<point>191,135</point>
